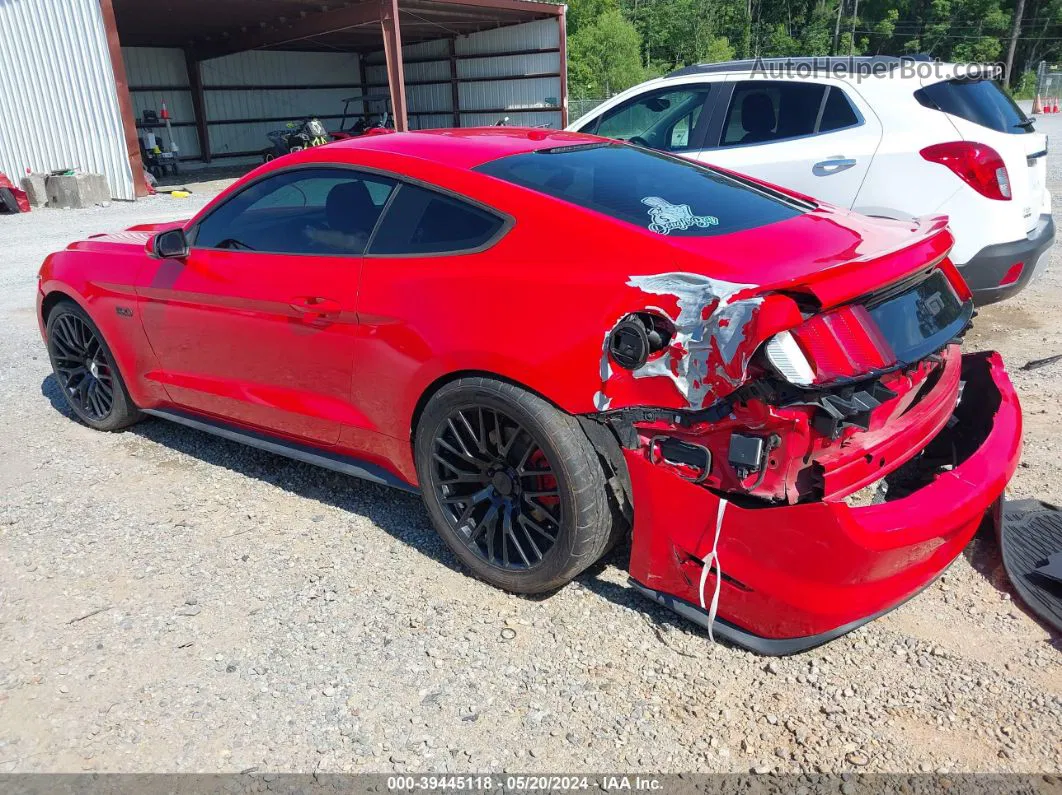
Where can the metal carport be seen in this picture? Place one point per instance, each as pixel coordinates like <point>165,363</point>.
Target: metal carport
<point>205,31</point>
<point>79,74</point>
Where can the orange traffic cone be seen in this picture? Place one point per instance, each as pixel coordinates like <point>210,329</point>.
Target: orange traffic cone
<point>1038,106</point>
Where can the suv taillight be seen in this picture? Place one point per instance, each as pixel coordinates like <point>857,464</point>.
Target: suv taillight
<point>978,165</point>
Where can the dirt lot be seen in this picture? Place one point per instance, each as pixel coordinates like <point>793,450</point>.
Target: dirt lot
<point>173,602</point>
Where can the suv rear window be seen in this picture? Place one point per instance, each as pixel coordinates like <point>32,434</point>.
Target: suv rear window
<point>663,194</point>
<point>979,101</point>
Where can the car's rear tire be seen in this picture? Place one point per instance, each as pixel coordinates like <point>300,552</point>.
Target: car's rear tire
<point>85,370</point>
<point>512,484</point>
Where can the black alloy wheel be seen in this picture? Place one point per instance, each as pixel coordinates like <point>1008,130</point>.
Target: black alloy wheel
<point>497,486</point>
<point>81,367</point>
<point>513,485</point>
<point>85,369</point>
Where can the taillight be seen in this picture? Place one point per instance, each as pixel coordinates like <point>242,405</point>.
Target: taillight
<point>844,343</point>
<point>786,357</point>
<point>978,165</point>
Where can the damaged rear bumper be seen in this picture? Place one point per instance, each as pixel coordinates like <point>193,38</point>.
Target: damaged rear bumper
<point>797,576</point>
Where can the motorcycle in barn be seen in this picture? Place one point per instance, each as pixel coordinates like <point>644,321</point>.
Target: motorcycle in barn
<point>295,137</point>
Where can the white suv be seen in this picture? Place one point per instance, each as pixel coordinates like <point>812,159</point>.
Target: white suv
<point>895,137</point>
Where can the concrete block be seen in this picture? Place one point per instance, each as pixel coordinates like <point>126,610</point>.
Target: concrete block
<point>35,189</point>
<point>77,191</point>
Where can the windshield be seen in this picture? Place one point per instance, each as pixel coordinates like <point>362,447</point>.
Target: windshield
<point>666,195</point>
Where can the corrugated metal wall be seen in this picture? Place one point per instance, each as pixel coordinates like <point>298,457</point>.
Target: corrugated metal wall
<point>333,76</point>
<point>514,95</point>
<point>241,92</point>
<point>158,75</point>
<point>527,101</point>
<point>58,99</point>
<point>419,99</point>
<point>250,93</point>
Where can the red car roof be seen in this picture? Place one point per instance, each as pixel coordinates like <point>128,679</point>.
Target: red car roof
<point>467,147</point>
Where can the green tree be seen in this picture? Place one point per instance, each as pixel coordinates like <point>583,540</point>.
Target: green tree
<point>605,56</point>
<point>617,42</point>
<point>586,12</point>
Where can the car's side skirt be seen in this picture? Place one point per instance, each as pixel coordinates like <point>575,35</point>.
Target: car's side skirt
<point>348,465</point>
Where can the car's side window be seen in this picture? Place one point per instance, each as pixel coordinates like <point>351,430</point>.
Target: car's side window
<point>313,211</point>
<point>766,110</point>
<point>837,112</point>
<point>662,120</point>
<point>420,221</point>
<point>679,136</point>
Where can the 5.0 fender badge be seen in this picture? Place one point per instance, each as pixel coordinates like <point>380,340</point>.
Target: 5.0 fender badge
<point>123,311</point>
<point>665,217</point>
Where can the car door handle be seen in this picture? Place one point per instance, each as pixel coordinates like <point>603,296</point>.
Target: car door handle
<point>834,165</point>
<point>315,305</point>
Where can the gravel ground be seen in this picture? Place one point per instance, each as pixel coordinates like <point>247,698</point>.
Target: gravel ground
<point>171,602</point>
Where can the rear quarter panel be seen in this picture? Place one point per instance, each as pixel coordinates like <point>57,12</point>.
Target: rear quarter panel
<point>534,309</point>
<point>979,221</point>
<point>902,184</point>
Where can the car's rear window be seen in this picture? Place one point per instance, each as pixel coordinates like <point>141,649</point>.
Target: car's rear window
<point>657,192</point>
<point>979,101</point>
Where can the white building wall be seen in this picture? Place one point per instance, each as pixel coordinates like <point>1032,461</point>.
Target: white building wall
<point>524,100</point>
<point>58,98</point>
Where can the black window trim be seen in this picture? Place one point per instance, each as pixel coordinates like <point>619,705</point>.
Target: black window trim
<point>699,131</point>
<point>716,134</point>
<point>508,221</point>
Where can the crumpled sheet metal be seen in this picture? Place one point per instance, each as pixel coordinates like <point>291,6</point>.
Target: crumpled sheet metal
<point>718,327</point>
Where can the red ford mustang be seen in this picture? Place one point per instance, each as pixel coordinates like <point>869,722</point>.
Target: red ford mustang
<point>559,340</point>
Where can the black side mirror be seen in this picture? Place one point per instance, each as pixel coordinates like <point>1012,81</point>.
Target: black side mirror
<point>171,244</point>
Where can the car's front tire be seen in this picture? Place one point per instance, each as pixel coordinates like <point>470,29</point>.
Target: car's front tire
<point>85,370</point>
<point>512,484</point>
